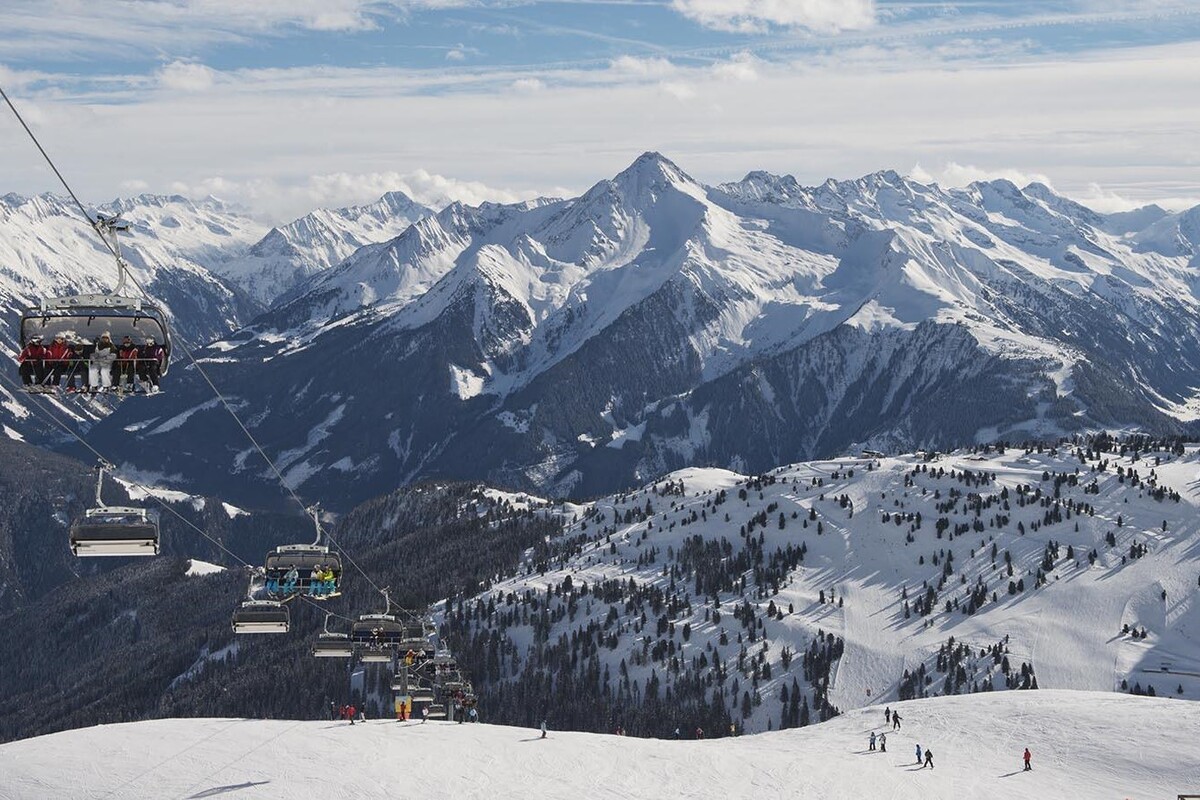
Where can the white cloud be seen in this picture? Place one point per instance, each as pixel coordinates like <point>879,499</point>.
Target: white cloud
<point>184,76</point>
<point>757,16</point>
<point>131,27</point>
<point>678,89</point>
<point>454,54</point>
<point>285,200</point>
<point>953,174</point>
<point>528,85</point>
<point>634,67</point>
<point>742,67</point>
<point>1113,119</point>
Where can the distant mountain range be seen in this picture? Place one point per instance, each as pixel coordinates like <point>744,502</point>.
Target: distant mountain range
<point>581,346</point>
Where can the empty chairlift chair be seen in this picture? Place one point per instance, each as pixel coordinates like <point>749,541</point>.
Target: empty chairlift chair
<point>332,645</point>
<point>114,530</point>
<point>261,616</point>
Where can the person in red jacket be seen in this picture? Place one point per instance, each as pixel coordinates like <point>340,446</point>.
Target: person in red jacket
<point>33,364</point>
<point>126,366</point>
<point>1028,758</point>
<point>150,364</point>
<point>58,359</point>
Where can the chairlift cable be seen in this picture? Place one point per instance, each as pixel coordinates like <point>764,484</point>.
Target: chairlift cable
<point>184,346</point>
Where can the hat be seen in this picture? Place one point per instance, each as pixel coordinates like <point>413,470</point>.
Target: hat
<point>104,335</point>
<point>35,338</point>
<point>149,340</point>
<point>59,336</point>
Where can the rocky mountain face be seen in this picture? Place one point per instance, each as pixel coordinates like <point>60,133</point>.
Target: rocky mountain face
<point>578,346</point>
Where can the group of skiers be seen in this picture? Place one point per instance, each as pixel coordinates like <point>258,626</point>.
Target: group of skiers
<point>99,366</point>
<point>924,757</point>
<point>347,712</point>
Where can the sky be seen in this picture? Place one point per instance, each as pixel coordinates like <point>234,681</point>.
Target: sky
<point>286,105</point>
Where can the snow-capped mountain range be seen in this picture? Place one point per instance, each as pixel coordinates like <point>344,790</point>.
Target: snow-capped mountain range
<point>275,267</point>
<point>47,249</point>
<point>583,345</point>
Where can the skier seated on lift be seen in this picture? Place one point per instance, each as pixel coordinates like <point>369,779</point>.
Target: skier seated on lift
<point>101,363</point>
<point>290,578</point>
<point>126,366</point>
<point>58,359</point>
<point>77,366</point>
<point>151,357</point>
<point>33,364</point>
<point>321,581</point>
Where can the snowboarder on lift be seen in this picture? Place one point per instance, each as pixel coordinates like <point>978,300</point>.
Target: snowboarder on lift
<point>1028,758</point>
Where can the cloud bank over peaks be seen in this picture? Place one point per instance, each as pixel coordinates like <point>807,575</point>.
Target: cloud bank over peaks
<point>759,16</point>
<point>280,201</point>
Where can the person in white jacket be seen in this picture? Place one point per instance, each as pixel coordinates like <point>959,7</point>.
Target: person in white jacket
<point>100,364</point>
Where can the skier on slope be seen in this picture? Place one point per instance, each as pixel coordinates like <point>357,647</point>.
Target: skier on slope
<point>1028,758</point>
<point>883,742</point>
<point>871,744</point>
<point>928,759</point>
<point>919,754</point>
<point>543,729</point>
<point>895,721</point>
<point>887,715</point>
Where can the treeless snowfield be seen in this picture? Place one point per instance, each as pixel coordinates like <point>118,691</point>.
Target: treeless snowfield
<point>1085,745</point>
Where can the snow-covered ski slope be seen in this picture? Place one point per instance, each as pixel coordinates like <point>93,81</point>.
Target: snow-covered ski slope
<point>1085,745</point>
<point>844,513</point>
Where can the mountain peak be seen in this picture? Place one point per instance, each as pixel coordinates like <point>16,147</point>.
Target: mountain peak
<point>653,167</point>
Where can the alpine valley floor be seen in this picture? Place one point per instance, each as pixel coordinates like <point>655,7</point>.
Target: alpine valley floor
<point>1084,744</point>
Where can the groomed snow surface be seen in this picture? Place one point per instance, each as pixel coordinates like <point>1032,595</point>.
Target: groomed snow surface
<point>1085,745</point>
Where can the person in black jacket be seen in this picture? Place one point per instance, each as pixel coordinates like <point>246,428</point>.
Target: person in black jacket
<point>150,362</point>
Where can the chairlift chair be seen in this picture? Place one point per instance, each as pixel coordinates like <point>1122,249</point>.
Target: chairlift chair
<point>114,530</point>
<point>261,616</point>
<point>437,711</point>
<point>330,644</point>
<point>86,316</point>
<point>289,569</point>
<point>333,645</point>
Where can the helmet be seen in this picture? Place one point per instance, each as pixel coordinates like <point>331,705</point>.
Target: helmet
<point>149,340</point>
<point>35,339</point>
